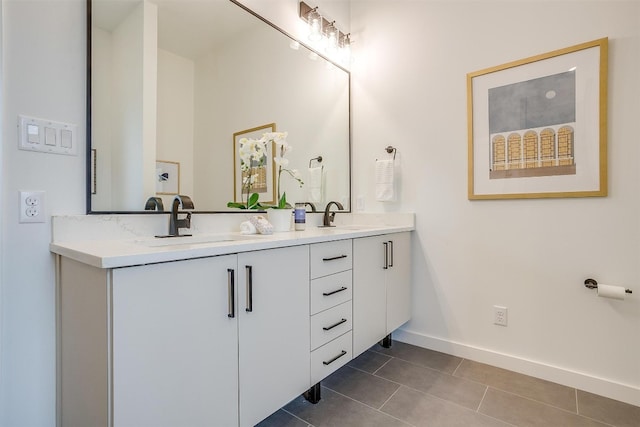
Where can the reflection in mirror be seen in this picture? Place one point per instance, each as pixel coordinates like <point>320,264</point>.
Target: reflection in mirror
<point>172,81</point>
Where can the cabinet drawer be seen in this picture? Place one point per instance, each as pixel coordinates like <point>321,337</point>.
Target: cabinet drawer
<point>330,324</point>
<point>330,257</point>
<point>331,356</point>
<point>329,291</point>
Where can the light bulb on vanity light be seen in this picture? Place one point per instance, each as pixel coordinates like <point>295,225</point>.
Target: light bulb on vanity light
<point>332,37</point>
<point>315,25</point>
<point>345,47</point>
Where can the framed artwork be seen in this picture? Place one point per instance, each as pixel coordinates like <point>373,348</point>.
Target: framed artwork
<point>537,127</point>
<point>167,177</point>
<point>265,178</point>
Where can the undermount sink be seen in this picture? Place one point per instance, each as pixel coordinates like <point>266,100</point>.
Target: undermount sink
<point>154,242</point>
<point>352,227</point>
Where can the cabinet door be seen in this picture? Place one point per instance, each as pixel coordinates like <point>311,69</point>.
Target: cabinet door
<point>274,335</point>
<point>369,292</point>
<point>398,280</point>
<point>174,345</point>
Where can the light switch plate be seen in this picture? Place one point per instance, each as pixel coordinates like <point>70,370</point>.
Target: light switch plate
<point>47,136</point>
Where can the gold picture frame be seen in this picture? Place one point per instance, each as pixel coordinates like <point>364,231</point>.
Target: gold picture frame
<point>266,185</point>
<point>537,127</point>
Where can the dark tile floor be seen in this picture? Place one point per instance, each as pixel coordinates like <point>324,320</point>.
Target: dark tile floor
<point>411,386</point>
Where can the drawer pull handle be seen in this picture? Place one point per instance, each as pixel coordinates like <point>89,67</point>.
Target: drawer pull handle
<point>335,358</point>
<point>231,292</point>
<point>328,328</point>
<point>334,258</point>
<point>326,294</point>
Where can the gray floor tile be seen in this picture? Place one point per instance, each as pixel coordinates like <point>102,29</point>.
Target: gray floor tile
<point>420,409</point>
<point>458,390</point>
<point>607,410</point>
<point>524,412</point>
<point>523,385</point>
<point>420,356</point>
<point>369,361</point>
<point>282,419</point>
<point>363,387</point>
<point>335,410</point>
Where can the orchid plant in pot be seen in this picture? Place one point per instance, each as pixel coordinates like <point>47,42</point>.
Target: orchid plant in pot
<point>281,214</point>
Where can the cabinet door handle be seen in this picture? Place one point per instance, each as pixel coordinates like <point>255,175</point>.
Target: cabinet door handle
<point>249,269</point>
<point>328,328</point>
<point>329,362</point>
<point>386,255</point>
<point>231,285</point>
<point>326,294</point>
<point>391,253</point>
<point>334,258</point>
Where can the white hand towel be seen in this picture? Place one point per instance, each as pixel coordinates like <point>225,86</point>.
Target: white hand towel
<point>247,228</point>
<point>314,185</point>
<point>384,180</point>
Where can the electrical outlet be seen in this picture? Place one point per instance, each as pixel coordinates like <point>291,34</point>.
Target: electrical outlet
<point>32,206</point>
<point>499,315</point>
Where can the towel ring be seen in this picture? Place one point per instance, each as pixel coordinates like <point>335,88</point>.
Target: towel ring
<point>389,149</point>
<point>319,159</point>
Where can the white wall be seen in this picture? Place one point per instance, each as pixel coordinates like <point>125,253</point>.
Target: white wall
<point>44,76</point>
<point>531,256</point>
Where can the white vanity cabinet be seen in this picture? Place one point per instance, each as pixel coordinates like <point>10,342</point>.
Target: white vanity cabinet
<point>381,287</point>
<point>221,335</point>
<point>173,344</point>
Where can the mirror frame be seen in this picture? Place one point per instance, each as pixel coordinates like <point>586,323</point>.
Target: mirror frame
<point>89,153</point>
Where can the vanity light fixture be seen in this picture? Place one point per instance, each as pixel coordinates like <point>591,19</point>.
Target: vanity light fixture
<point>324,31</point>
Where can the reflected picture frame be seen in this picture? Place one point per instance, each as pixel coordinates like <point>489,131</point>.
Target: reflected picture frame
<point>266,186</point>
<point>167,177</point>
<point>537,127</point>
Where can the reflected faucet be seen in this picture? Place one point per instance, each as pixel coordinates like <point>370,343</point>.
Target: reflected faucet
<point>176,224</point>
<point>330,216</point>
<point>154,204</point>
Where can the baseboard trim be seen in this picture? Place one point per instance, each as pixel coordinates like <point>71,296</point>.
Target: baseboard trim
<point>580,380</point>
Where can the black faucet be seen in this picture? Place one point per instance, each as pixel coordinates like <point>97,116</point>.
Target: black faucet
<point>153,204</point>
<point>313,207</point>
<point>328,215</point>
<point>176,224</point>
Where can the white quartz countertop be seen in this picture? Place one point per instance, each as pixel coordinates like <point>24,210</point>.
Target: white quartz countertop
<point>106,253</point>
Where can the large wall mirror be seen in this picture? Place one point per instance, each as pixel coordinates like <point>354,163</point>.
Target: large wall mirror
<point>172,82</point>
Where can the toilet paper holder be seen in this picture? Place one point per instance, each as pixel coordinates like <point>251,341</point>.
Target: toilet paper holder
<point>592,284</point>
